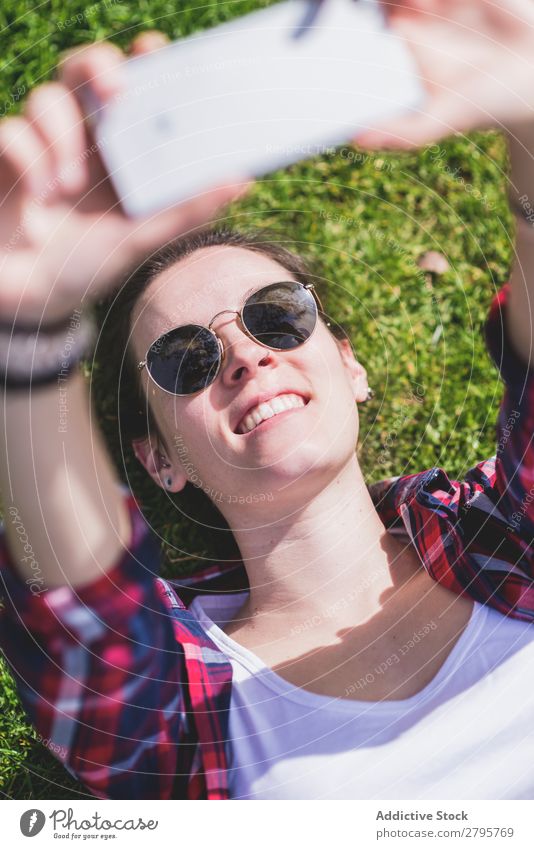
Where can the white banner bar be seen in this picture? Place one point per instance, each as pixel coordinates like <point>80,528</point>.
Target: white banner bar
<point>272,824</point>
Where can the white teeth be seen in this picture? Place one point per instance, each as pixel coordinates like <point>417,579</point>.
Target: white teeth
<point>268,409</point>
<point>278,404</point>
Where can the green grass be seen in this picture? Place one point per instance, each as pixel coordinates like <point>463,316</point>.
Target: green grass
<point>367,220</point>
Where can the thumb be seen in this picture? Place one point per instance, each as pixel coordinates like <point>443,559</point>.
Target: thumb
<point>438,120</point>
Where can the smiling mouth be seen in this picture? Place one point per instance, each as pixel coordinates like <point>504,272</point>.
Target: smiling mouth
<point>269,409</point>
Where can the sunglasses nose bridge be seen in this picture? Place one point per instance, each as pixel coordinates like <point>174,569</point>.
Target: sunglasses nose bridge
<point>222,312</point>
<point>222,344</point>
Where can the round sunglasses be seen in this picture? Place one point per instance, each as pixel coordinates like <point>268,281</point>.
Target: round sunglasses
<point>187,359</point>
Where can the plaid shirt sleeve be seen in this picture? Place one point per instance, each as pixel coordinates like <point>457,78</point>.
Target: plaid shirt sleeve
<point>476,536</point>
<point>514,459</point>
<point>99,672</point>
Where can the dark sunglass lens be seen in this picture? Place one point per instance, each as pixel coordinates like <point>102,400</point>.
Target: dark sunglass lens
<point>282,315</point>
<point>184,360</point>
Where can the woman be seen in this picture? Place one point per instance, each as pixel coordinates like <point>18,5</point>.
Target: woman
<point>330,663</point>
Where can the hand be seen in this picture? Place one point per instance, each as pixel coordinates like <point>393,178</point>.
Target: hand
<point>476,60</point>
<point>63,236</point>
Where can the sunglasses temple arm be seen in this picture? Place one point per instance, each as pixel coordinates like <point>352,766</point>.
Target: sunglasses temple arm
<point>319,304</point>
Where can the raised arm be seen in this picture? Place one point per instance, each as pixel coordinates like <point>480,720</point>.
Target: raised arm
<point>84,627</point>
<point>476,59</point>
<point>63,242</point>
<point>521,190</point>
<point>476,62</point>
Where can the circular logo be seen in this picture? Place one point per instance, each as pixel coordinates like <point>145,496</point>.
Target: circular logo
<point>32,822</point>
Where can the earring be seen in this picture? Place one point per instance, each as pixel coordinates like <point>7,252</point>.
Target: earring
<point>370,394</point>
<point>163,461</point>
<point>168,482</point>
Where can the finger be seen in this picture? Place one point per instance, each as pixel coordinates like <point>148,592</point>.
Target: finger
<point>441,119</point>
<point>394,9</point>
<point>23,287</point>
<point>201,209</point>
<point>97,66</point>
<point>24,162</point>
<point>140,238</point>
<point>147,42</point>
<point>55,116</point>
<point>418,7</point>
<point>187,216</point>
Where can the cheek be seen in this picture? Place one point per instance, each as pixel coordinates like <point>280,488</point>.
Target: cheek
<point>337,410</point>
<point>328,376</point>
<point>196,434</point>
<point>181,427</point>
<point>341,418</point>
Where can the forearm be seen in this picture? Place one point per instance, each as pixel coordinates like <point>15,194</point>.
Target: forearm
<point>62,499</point>
<point>520,317</point>
<point>100,673</point>
<point>65,520</point>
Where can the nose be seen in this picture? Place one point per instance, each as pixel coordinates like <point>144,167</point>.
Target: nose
<point>243,356</point>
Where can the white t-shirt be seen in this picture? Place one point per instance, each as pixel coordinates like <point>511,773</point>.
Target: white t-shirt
<point>469,734</point>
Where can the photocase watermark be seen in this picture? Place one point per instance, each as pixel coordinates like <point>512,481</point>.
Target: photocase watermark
<point>181,74</point>
<point>350,154</point>
<point>334,608</point>
<point>506,430</point>
<point>32,822</point>
<point>88,13</point>
<point>196,297</point>
<point>526,209</point>
<point>404,415</point>
<point>37,202</point>
<point>518,515</point>
<point>65,820</point>
<point>216,495</point>
<point>65,825</point>
<point>303,150</point>
<point>199,295</point>
<point>13,98</point>
<point>36,581</point>
<point>60,751</point>
<point>373,231</point>
<point>339,218</point>
<point>63,374</point>
<point>393,659</point>
<point>438,155</point>
<point>361,157</point>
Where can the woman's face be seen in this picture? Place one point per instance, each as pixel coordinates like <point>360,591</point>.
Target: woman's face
<point>288,456</point>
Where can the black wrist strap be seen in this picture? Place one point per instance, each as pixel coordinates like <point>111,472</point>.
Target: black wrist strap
<point>33,358</point>
<point>13,384</point>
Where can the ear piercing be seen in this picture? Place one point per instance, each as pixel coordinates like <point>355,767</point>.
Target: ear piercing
<point>163,461</point>
<point>165,465</point>
<point>370,394</point>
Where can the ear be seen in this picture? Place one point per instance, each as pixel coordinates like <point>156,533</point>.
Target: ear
<point>165,474</point>
<point>355,371</point>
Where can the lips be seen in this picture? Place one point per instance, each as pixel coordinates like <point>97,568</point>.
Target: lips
<point>267,406</point>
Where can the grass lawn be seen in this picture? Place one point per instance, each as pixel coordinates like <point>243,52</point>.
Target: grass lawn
<point>367,219</point>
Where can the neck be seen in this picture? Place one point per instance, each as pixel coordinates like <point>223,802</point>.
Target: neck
<point>332,553</point>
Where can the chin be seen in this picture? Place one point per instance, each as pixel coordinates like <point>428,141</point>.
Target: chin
<point>305,468</point>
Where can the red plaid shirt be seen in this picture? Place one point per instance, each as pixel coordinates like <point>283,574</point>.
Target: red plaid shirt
<point>122,678</point>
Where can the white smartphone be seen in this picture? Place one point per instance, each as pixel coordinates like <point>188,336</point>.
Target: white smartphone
<point>250,96</point>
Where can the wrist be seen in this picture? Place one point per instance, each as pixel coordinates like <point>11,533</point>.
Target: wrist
<point>38,355</point>
<point>521,176</point>
<point>43,318</point>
